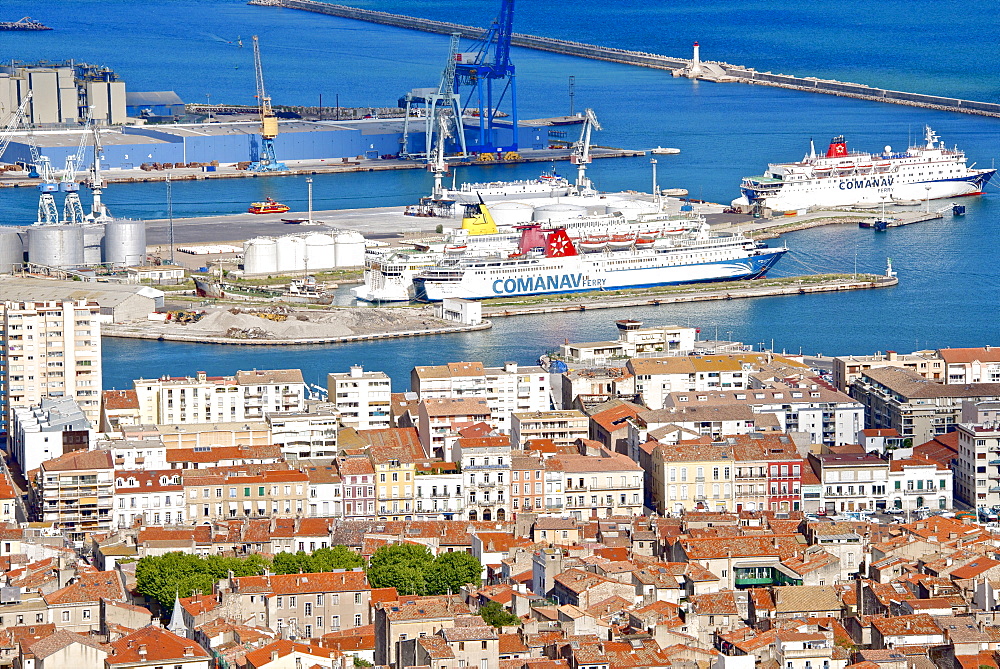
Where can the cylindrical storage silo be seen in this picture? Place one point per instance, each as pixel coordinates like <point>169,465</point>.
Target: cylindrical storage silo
<point>557,212</point>
<point>291,256</point>
<point>630,209</point>
<point>320,253</point>
<point>260,256</point>
<point>125,243</point>
<point>350,247</point>
<point>93,242</point>
<point>11,251</point>
<point>511,213</point>
<point>56,245</point>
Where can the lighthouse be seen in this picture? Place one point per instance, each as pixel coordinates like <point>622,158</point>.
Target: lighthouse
<point>695,62</point>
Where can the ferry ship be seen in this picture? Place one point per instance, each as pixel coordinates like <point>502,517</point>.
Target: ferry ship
<point>548,184</point>
<point>848,178</point>
<point>389,276</point>
<point>549,262</point>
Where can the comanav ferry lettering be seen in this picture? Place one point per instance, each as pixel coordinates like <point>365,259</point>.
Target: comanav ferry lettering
<point>540,284</point>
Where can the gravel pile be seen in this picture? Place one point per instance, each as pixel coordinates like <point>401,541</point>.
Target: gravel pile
<point>311,324</point>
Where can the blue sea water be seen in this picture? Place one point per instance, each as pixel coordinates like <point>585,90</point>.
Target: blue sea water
<point>949,277</point>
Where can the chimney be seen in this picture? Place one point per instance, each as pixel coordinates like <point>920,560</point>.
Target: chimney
<point>357,371</point>
<point>891,355</point>
<point>142,651</point>
<point>274,656</point>
<point>188,651</point>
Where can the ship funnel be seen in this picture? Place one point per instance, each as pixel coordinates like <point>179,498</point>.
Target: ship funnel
<point>838,147</point>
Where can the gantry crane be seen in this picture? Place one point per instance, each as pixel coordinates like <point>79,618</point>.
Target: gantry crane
<point>581,151</point>
<point>484,70</point>
<point>48,213</point>
<point>265,161</point>
<point>438,103</point>
<point>15,120</point>
<point>72,207</point>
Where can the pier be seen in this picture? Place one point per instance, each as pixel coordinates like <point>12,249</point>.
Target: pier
<point>730,73</point>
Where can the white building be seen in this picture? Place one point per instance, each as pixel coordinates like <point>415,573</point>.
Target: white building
<point>917,482</point>
<point>50,349</point>
<point>485,477</point>
<point>971,365</point>
<point>438,496</point>
<point>634,341</point>
<point>246,396</point>
<point>508,389</point>
<point>326,491</point>
<point>154,496</point>
<point>305,434</point>
<point>853,482</point>
<point>130,454</point>
<point>363,398</point>
<point>47,430</point>
<point>977,482</point>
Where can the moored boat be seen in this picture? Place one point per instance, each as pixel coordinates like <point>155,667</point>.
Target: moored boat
<point>268,206</point>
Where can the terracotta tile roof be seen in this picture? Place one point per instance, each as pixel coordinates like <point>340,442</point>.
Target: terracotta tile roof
<point>423,609</point>
<point>206,454</point>
<point>918,624</point>
<point>805,598</point>
<point>153,644</point>
<point>749,546</point>
<point>910,385</point>
<point>914,461</point>
<point>471,633</point>
<point>715,603</point>
<point>283,647</point>
<point>199,604</point>
<point>510,644</point>
<point>58,640</point>
<point>611,462</point>
<point>264,376</point>
<point>436,647</point>
<point>974,568</point>
<point>955,356</point>
<point>78,460</point>
<point>355,467</point>
<point>113,400</point>
<point>89,588</point>
<point>456,406</point>
<point>615,418</point>
<point>291,584</point>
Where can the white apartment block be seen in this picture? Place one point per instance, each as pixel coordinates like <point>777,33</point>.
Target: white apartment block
<point>362,397</point>
<point>853,482</point>
<point>154,497</point>
<point>48,430</point>
<point>656,378</point>
<point>977,473</point>
<point>917,482</point>
<point>130,454</point>
<point>562,427</point>
<point>245,396</point>
<point>50,349</point>
<point>438,496</point>
<point>486,477</point>
<point>305,434</point>
<point>827,416</point>
<point>971,365</point>
<point>506,389</point>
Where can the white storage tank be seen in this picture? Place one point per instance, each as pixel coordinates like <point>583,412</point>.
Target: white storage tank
<point>350,248</point>
<point>11,251</point>
<point>558,212</point>
<point>511,213</point>
<point>125,243</point>
<point>260,256</point>
<point>291,254</point>
<point>56,245</point>
<point>93,244</point>
<point>630,209</point>
<point>320,252</point>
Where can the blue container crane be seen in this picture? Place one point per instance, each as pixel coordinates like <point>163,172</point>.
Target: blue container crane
<point>490,74</point>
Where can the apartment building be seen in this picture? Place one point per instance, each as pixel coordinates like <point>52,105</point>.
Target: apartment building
<point>563,428</point>
<point>218,494</point>
<point>396,471</point>
<point>912,405</point>
<point>363,398</point>
<point>207,399</point>
<point>486,477</point>
<point>506,390</point>
<point>438,493</point>
<point>326,491</point>
<point>827,416</point>
<point>916,483</point>
<point>414,618</point>
<point>690,476</point>
<point>971,365</point>
<point>852,481</point>
<point>848,368</point>
<point>305,434</point>
<point>305,605</point>
<point>50,349</point>
<point>600,483</point>
<point>634,341</point>
<point>527,484</point>
<point>119,408</point>
<point>358,480</point>
<point>75,493</point>
<point>150,496</point>
<point>977,473</point>
<point>205,435</point>
<point>768,473</point>
<point>656,378</point>
<point>440,419</point>
<point>51,428</point>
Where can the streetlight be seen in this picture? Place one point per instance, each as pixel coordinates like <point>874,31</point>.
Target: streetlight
<point>309,185</point>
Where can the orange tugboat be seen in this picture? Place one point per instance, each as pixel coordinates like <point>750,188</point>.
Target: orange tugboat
<point>268,206</point>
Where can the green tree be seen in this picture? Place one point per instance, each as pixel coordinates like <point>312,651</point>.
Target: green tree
<point>338,557</point>
<point>400,566</point>
<point>163,577</point>
<point>498,616</point>
<point>291,563</point>
<point>450,571</point>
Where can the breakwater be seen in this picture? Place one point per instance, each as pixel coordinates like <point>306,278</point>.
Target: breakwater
<point>733,73</point>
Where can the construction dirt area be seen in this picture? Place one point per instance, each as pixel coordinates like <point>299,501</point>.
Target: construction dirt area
<point>286,325</point>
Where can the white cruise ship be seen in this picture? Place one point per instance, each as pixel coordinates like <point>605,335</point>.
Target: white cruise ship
<point>847,178</point>
<point>549,262</point>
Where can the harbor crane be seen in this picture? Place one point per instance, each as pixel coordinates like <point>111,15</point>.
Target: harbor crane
<point>266,161</point>
<point>72,207</point>
<point>48,213</point>
<point>484,70</point>
<point>442,102</point>
<point>16,119</point>
<point>581,152</point>
<point>98,210</point>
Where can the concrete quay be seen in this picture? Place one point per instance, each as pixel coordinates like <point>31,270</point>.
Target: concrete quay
<point>735,73</point>
<point>807,285</point>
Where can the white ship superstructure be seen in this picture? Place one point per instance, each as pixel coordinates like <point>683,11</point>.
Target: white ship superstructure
<point>549,262</point>
<point>846,178</point>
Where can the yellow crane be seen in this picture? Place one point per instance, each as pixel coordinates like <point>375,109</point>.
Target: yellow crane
<point>265,161</point>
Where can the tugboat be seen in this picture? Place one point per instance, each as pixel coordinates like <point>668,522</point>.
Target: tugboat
<point>268,206</point>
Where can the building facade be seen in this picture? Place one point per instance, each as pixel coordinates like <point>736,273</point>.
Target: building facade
<point>362,397</point>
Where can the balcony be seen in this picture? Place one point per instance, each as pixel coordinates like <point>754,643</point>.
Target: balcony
<point>473,467</point>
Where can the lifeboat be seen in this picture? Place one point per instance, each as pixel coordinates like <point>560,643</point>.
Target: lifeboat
<point>455,248</point>
<point>644,242</point>
<point>864,167</point>
<point>619,242</point>
<point>822,171</point>
<point>268,206</point>
<point>883,166</point>
<point>594,244</point>
<point>672,231</point>
<point>845,167</point>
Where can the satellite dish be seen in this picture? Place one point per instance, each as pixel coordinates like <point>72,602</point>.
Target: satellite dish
<point>888,149</point>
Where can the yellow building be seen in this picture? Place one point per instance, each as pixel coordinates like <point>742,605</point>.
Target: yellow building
<point>395,471</point>
<point>692,476</point>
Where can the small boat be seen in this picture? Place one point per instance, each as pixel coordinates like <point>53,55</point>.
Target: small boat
<point>456,248</point>
<point>644,242</point>
<point>268,206</point>
<point>822,171</point>
<point>845,166</point>
<point>661,151</point>
<point>883,166</point>
<point>25,23</point>
<point>594,244</point>
<point>618,242</point>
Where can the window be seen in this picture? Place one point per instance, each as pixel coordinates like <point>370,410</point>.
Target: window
<point>278,602</point>
<point>319,602</point>
<point>291,602</point>
<point>357,620</point>
<point>357,597</point>
<point>65,617</point>
<point>86,614</point>
<point>308,610</point>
